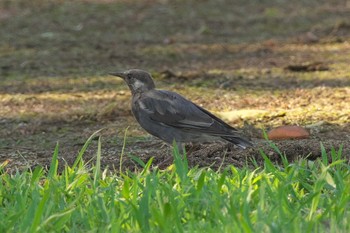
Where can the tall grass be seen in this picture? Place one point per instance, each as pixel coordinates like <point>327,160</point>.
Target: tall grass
<point>305,196</point>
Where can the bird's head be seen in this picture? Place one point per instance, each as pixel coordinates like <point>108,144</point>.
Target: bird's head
<point>137,80</point>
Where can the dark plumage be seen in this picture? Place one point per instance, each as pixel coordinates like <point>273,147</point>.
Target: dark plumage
<point>169,116</point>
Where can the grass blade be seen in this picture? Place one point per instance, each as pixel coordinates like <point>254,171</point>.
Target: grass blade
<point>54,164</point>
<point>97,172</point>
<point>85,146</point>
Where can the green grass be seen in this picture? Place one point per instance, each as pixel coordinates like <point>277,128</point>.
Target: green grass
<point>306,196</point>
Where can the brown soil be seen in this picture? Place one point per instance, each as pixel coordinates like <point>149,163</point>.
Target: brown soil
<point>257,66</point>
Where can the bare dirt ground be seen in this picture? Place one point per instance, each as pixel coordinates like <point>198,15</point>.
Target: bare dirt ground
<point>257,66</point>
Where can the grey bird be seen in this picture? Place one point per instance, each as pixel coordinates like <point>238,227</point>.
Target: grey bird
<point>169,116</point>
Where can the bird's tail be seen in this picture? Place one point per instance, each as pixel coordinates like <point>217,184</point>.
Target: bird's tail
<point>239,141</point>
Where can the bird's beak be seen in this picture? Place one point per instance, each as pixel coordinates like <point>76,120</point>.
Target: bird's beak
<point>118,74</point>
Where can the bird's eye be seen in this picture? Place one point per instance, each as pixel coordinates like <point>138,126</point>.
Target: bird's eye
<point>129,76</point>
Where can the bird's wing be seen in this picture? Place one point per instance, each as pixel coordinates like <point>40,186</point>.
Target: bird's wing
<point>171,109</point>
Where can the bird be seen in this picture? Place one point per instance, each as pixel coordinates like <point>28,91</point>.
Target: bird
<point>171,117</point>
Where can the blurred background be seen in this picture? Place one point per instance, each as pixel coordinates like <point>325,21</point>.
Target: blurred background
<point>86,37</point>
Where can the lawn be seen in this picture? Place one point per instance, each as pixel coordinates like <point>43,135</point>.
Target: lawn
<point>306,196</point>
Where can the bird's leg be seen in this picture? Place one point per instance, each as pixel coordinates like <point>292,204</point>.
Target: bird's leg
<point>181,148</point>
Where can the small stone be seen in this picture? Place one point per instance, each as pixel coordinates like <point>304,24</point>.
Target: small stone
<point>288,132</point>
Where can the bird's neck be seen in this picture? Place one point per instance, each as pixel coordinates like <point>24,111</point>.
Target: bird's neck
<point>140,90</point>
